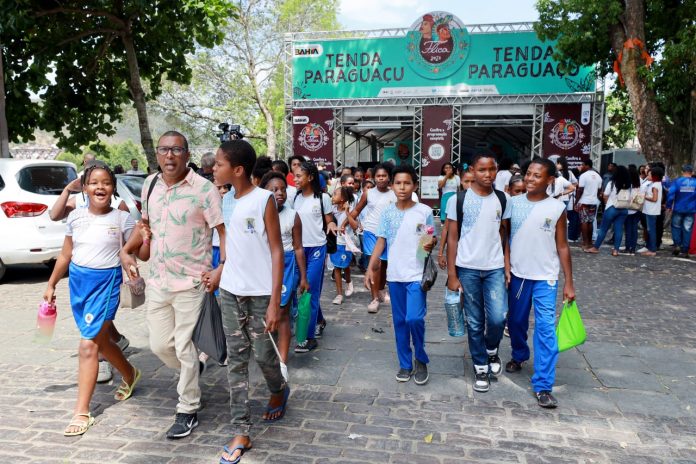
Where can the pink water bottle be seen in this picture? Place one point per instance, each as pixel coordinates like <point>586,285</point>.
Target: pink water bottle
<point>46,321</point>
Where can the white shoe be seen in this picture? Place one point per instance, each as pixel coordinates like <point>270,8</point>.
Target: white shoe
<point>123,343</point>
<point>373,307</point>
<point>349,289</point>
<point>642,250</point>
<point>338,300</point>
<point>105,372</point>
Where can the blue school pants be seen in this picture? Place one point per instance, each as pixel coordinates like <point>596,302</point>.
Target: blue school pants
<point>316,258</point>
<point>523,293</point>
<point>408,314</point>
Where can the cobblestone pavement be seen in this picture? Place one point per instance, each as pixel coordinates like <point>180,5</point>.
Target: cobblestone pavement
<point>627,396</point>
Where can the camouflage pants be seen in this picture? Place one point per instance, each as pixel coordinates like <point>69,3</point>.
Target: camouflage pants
<point>242,317</point>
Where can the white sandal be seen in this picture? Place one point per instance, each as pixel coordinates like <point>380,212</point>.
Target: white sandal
<point>82,425</point>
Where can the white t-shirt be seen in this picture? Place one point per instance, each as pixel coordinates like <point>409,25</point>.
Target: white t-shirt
<point>340,217</point>
<point>287,222</point>
<point>248,269</point>
<point>451,185</point>
<point>309,210</point>
<point>533,253</point>
<point>558,187</point>
<point>97,238</point>
<point>591,182</point>
<point>291,193</point>
<point>376,203</point>
<point>502,179</point>
<point>653,208</point>
<point>479,243</point>
<point>403,229</point>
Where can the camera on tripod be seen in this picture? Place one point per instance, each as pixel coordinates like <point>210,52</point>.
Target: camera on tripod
<point>229,132</point>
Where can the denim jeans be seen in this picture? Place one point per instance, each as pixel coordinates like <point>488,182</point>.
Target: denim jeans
<point>614,216</point>
<point>631,228</point>
<point>651,220</point>
<point>573,225</point>
<point>485,306</point>
<point>682,223</point>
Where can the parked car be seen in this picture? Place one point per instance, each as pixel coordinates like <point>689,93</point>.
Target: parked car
<point>129,188</point>
<point>28,190</point>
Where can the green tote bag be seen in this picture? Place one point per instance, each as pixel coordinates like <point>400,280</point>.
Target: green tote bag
<point>570,331</point>
<point>304,313</point>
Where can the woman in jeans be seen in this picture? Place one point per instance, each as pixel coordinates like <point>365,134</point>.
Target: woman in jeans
<point>633,218</point>
<point>652,207</point>
<point>613,215</point>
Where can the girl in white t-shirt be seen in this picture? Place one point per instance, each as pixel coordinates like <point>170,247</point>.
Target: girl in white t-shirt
<point>652,206</point>
<point>93,239</point>
<point>448,183</point>
<point>343,204</point>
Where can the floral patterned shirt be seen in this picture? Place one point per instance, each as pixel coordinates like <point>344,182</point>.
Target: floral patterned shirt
<point>182,217</point>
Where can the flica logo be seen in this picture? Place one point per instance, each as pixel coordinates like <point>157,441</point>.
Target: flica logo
<point>313,137</point>
<point>438,45</point>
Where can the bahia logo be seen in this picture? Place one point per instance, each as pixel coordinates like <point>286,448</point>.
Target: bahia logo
<point>308,51</point>
<point>438,45</point>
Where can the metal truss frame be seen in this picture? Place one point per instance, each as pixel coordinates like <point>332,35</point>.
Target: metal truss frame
<point>597,128</point>
<point>538,131</point>
<point>339,140</point>
<point>287,129</point>
<point>417,139</point>
<point>456,134</point>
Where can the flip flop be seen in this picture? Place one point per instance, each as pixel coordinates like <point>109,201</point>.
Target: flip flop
<point>83,425</point>
<point>229,451</point>
<point>281,408</point>
<point>125,390</point>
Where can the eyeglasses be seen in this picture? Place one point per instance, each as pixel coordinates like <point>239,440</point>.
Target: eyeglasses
<point>176,151</point>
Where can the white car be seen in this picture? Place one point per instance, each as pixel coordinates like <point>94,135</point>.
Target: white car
<point>28,190</point>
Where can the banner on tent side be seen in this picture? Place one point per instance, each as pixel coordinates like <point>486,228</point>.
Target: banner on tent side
<point>436,149</point>
<point>568,132</point>
<point>312,135</point>
<point>437,57</point>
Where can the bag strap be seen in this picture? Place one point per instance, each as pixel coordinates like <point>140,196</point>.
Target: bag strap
<point>323,215</point>
<point>150,188</point>
<point>460,211</point>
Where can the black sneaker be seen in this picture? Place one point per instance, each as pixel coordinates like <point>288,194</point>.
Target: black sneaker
<point>546,400</point>
<point>421,377</point>
<point>495,365</point>
<point>675,251</point>
<point>306,346</point>
<point>319,329</point>
<point>404,375</point>
<point>183,425</point>
<point>513,366</point>
<point>482,383</point>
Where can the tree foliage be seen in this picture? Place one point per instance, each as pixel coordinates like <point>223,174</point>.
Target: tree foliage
<point>112,154</point>
<point>86,59</point>
<point>622,127</point>
<point>241,80</point>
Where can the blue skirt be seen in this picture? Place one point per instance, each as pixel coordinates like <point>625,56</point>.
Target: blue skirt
<point>342,258</point>
<point>369,242</point>
<point>94,297</point>
<point>291,278</point>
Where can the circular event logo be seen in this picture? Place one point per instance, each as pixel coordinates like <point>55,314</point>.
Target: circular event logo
<point>436,152</point>
<point>313,137</point>
<point>566,134</point>
<point>438,45</point>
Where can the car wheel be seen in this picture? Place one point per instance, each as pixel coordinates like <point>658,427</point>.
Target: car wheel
<point>3,268</point>
<point>50,264</point>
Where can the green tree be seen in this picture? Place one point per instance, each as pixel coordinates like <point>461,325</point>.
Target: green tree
<point>87,59</point>
<point>662,96</point>
<point>241,80</point>
<point>622,126</point>
<point>112,154</point>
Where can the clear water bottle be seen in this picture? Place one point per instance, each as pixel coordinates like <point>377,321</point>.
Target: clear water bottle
<point>455,316</point>
<point>46,321</point>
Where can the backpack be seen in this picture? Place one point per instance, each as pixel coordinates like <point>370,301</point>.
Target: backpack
<point>623,198</point>
<point>460,206</point>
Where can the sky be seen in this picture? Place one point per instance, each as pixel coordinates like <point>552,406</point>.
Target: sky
<point>381,14</point>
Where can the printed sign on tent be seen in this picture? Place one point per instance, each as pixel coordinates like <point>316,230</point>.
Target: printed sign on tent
<point>568,132</point>
<point>436,149</point>
<point>312,133</point>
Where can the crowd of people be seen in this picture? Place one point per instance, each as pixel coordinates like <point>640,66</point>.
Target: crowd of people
<point>260,232</point>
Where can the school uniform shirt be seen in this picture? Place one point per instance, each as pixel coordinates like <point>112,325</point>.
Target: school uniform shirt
<point>591,182</point>
<point>533,253</point>
<point>479,243</point>
<point>558,187</point>
<point>248,270</point>
<point>287,222</point>
<point>340,217</point>
<point>97,238</point>
<point>502,179</point>
<point>403,229</point>
<point>451,185</point>
<point>309,210</point>
<point>653,208</point>
<point>291,194</point>
<point>376,203</point>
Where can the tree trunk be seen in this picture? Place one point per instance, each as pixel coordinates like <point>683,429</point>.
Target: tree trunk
<point>138,94</point>
<point>4,134</point>
<point>651,127</point>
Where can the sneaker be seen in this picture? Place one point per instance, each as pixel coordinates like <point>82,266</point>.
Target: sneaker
<point>123,343</point>
<point>546,400</point>
<point>404,375</point>
<point>513,366</point>
<point>338,300</point>
<point>642,250</point>
<point>183,425</point>
<point>421,377</point>
<point>495,365</point>
<point>349,288</point>
<point>676,251</point>
<point>373,307</point>
<point>482,383</point>
<point>306,346</point>
<point>319,328</point>
<point>105,373</point>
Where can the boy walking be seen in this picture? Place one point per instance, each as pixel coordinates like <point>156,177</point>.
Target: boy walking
<point>403,230</point>
<point>250,283</point>
<point>475,264</point>
<point>538,248</point>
